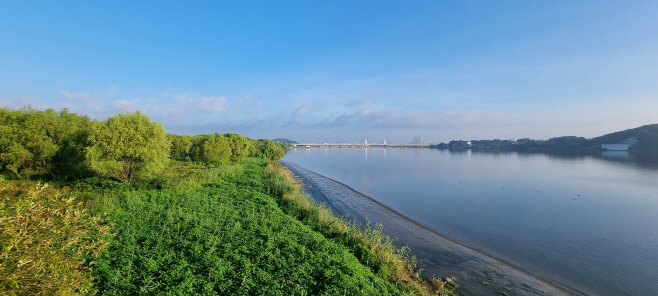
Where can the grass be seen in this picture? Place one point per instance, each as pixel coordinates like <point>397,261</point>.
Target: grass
<point>227,238</point>
<point>233,229</point>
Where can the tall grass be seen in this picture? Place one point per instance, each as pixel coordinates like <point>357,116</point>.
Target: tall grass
<point>367,242</point>
<point>48,240</point>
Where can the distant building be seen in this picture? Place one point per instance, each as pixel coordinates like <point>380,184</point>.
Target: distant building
<point>622,146</point>
<point>418,140</point>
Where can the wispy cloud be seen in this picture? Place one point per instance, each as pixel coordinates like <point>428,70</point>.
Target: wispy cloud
<point>22,101</point>
<point>183,98</point>
<point>214,104</point>
<point>305,109</point>
<point>397,118</point>
<point>84,103</point>
<point>75,97</point>
<point>126,105</point>
<point>365,99</point>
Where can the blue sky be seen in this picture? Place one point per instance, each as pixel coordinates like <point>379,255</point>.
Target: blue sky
<point>340,71</point>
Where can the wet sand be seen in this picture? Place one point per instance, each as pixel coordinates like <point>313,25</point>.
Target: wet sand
<point>437,255</point>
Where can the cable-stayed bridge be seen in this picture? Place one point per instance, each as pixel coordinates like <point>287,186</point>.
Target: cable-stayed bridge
<point>364,144</point>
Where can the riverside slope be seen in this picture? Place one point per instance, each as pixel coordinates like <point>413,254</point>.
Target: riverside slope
<point>439,256</point>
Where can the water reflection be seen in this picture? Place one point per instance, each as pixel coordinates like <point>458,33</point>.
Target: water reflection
<point>647,160</point>
<point>644,160</point>
<point>623,156</point>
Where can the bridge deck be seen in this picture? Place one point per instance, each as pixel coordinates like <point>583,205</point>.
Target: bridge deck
<point>358,145</point>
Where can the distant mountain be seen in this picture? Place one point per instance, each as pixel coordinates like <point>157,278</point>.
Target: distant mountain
<point>647,137</point>
<point>281,140</point>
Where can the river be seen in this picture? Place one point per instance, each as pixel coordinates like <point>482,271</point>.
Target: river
<point>584,221</point>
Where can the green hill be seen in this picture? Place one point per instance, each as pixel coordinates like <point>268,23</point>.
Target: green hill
<point>647,137</point>
<point>281,140</point>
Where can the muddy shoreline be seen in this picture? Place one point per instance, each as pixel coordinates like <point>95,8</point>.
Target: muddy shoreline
<point>439,256</point>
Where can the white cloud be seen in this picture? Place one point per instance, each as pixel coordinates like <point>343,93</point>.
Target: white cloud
<point>305,109</point>
<point>83,103</point>
<point>75,97</point>
<point>397,118</point>
<point>22,101</point>
<point>183,98</point>
<point>94,107</point>
<point>169,112</point>
<point>125,105</point>
<point>214,104</point>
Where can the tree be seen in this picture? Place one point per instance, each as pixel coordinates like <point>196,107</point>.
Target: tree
<point>271,150</point>
<point>27,140</point>
<point>220,147</point>
<point>210,148</point>
<point>240,146</point>
<point>215,149</point>
<point>126,146</point>
<point>254,148</point>
<point>42,141</point>
<point>70,135</point>
<point>180,145</point>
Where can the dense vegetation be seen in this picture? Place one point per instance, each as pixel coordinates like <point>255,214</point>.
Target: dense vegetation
<point>36,142</point>
<point>66,146</point>
<point>226,237</point>
<point>568,142</point>
<point>121,207</point>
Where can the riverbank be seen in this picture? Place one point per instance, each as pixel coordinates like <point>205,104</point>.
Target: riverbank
<point>439,256</point>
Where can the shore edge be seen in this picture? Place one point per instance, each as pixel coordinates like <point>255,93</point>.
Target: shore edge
<point>477,273</point>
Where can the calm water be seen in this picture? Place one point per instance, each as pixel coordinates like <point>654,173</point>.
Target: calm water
<point>589,222</point>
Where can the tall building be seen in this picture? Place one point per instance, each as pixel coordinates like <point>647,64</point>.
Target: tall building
<point>418,140</point>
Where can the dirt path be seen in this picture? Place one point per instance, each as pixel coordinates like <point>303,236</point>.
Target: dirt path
<point>476,273</point>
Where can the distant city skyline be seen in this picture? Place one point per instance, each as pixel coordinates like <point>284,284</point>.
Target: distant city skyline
<point>340,71</point>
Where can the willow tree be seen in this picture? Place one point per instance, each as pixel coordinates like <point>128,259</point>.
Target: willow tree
<point>126,146</point>
<point>215,148</point>
<point>240,146</point>
<point>180,145</point>
<point>39,141</point>
<point>271,150</point>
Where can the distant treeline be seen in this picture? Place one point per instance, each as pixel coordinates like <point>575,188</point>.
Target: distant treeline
<point>646,136</point>
<point>282,140</point>
<point>559,142</point>
<point>66,146</point>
